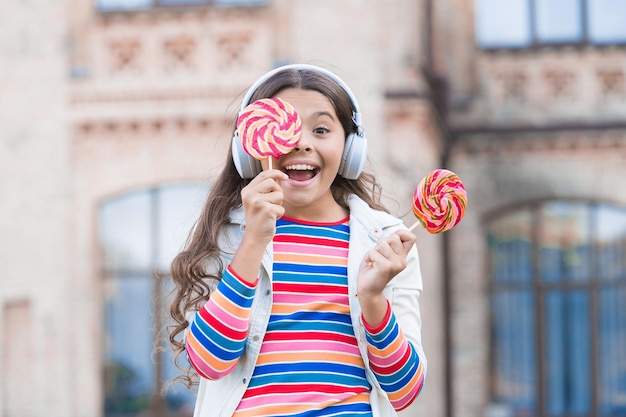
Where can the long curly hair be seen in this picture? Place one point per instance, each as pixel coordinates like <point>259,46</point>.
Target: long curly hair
<point>193,282</point>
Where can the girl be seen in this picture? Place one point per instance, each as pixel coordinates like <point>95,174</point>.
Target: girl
<point>297,293</point>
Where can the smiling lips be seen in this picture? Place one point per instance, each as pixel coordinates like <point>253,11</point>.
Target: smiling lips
<point>301,172</point>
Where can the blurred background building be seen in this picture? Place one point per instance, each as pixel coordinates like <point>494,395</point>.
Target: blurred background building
<point>115,116</point>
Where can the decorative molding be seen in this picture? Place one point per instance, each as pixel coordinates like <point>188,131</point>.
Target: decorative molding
<point>541,142</point>
<point>124,56</point>
<point>234,50</point>
<point>179,15</point>
<point>124,96</point>
<point>559,83</point>
<point>144,48</point>
<point>512,85</point>
<point>538,86</point>
<point>611,81</point>
<point>141,127</point>
<point>180,53</point>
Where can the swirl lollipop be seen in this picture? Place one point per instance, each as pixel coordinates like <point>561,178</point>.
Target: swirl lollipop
<point>269,128</point>
<point>439,201</point>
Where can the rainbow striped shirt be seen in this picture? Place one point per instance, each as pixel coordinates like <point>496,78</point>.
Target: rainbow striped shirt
<point>309,362</point>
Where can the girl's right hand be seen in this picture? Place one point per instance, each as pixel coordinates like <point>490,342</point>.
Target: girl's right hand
<point>262,202</point>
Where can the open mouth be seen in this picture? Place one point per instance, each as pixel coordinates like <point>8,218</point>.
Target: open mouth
<point>301,172</point>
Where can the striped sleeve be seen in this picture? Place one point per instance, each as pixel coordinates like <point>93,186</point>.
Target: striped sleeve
<point>218,332</point>
<point>394,361</point>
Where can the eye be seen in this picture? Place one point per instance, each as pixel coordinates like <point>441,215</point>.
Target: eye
<point>320,130</point>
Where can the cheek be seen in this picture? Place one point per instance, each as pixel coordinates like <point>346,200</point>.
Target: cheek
<point>332,155</point>
<point>337,150</point>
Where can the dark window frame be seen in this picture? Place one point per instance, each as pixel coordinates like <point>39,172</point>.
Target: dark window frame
<point>159,277</point>
<point>540,289</point>
<point>537,44</point>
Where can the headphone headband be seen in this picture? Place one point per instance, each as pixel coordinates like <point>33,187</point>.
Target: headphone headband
<point>356,114</point>
<point>355,149</point>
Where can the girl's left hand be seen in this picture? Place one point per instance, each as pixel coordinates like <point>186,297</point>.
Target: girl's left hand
<point>383,262</point>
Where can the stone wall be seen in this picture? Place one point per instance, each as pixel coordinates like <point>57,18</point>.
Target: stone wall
<point>96,105</point>
<point>35,217</point>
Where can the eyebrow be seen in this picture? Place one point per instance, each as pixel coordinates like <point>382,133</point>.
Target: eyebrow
<point>323,113</point>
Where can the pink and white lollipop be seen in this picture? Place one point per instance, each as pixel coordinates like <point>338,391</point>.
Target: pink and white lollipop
<point>439,201</point>
<point>269,128</point>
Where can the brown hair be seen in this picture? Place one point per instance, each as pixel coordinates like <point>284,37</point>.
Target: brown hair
<point>188,268</point>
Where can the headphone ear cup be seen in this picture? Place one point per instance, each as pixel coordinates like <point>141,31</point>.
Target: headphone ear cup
<point>247,166</point>
<point>354,157</point>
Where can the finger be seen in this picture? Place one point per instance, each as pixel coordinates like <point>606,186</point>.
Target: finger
<point>385,248</point>
<point>391,246</point>
<point>268,186</point>
<point>274,197</point>
<point>273,174</point>
<point>278,211</point>
<point>264,183</point>
<point>260,196</point>
<point>268,191</point>
<point>407,238</point>
<point>376,258</point>
<point>395,243</point>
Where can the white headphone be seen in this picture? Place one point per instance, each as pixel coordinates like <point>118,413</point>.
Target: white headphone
<point>355,150</point>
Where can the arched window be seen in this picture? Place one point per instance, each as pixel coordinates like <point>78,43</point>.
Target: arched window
<point>140,233</point>
<point>558,310</point>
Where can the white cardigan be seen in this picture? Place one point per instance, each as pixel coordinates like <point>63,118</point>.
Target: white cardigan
<point>220,398</point>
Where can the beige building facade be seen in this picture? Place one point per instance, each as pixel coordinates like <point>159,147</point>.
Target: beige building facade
<point>114,124</point>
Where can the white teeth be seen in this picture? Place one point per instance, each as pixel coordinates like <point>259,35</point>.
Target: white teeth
<point>300,167</point>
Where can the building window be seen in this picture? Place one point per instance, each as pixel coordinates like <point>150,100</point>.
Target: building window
<point>526,23</point>
<point>140,233</point>
<point>132,5</point>
<point>607,21</point>
<point>558,322</point>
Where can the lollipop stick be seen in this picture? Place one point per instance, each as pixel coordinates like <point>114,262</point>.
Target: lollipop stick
<point>270,160</point>
<point>414,226</point>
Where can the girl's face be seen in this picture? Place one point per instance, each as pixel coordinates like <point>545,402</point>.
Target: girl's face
<point>313,164</point>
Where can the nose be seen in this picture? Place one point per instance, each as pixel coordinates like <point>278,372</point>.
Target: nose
<point>303,144</point>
